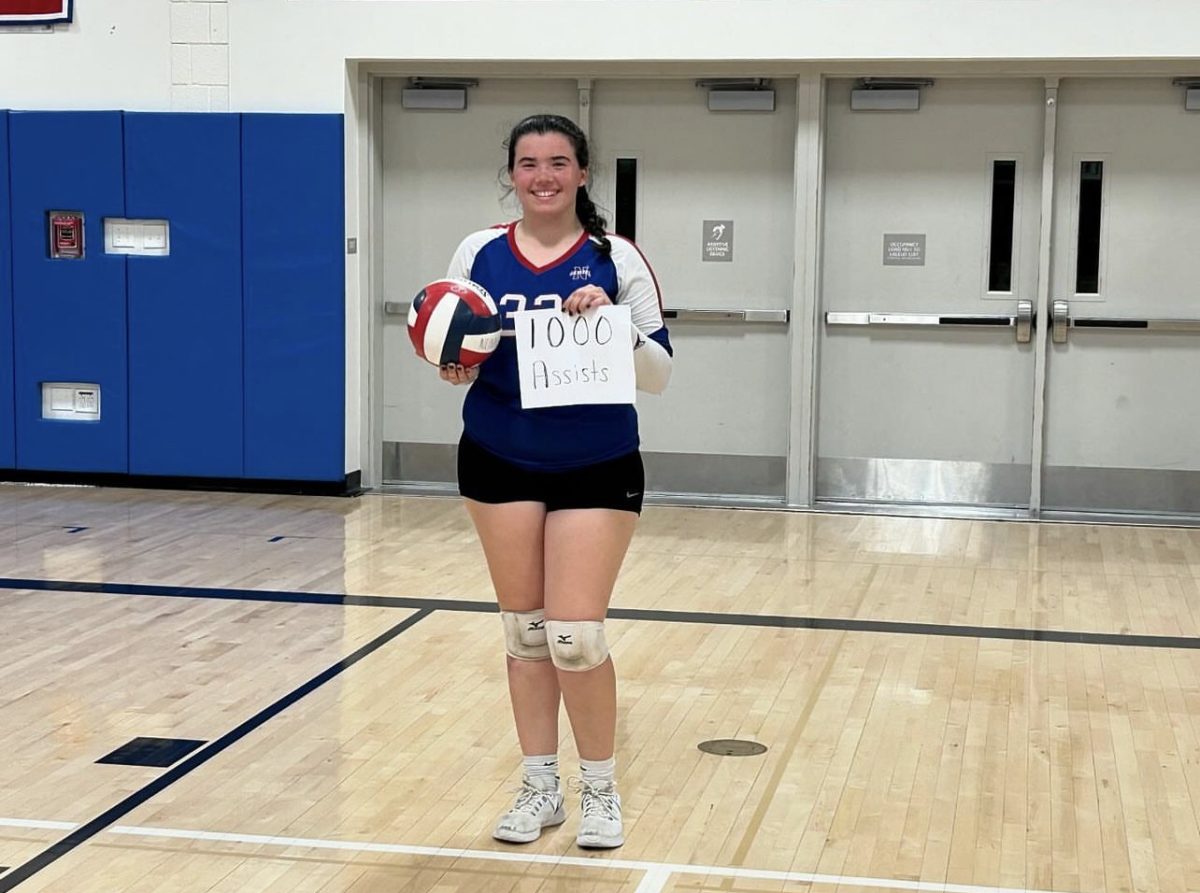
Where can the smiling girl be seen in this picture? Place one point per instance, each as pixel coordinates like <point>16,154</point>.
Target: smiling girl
<point>555,493</point>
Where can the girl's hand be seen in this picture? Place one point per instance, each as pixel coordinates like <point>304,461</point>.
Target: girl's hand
<point>583,299</point>
<point>458,374</point>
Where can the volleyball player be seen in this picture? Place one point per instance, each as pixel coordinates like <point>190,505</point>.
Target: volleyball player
<point>555,493</point>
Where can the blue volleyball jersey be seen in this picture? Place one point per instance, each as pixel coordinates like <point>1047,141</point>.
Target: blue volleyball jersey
<point>560,437</point>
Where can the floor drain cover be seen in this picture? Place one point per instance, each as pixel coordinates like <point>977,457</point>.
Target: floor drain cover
<point>731,747</point>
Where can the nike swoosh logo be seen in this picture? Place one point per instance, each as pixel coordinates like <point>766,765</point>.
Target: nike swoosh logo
<point>633,494</point>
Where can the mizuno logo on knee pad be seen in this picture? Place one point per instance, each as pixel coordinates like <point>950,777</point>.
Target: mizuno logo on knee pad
<point>577,644</point>
<point>525,634</point>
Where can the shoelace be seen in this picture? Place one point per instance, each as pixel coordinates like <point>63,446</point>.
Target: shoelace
<point>531,799</point>
<point>596,801</point>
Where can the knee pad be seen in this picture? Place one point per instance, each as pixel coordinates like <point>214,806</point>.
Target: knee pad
<point>525,634</point>
<point>576,644</point>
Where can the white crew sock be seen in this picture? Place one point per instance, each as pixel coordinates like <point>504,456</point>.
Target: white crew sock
<point>542,770</point>
<point>600,773</point>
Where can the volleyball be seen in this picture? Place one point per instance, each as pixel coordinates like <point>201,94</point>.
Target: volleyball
<point>454,322</point>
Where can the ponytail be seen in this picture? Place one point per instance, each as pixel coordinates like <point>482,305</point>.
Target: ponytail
<point>591,221</point>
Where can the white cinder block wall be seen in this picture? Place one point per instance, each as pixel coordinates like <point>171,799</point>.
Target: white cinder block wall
<point>200,55</point>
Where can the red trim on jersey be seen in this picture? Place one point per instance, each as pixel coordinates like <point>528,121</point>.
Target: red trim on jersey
<point>530,265</point>
<point>653,278</point>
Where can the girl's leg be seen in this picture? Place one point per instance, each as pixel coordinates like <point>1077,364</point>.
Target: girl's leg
<point>584,552</point>
<point>512,536</point>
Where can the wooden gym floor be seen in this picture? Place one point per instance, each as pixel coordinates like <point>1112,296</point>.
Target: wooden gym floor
<point>947,705</point>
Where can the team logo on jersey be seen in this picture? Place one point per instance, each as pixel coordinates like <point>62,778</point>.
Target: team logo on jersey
<point>578,273</point>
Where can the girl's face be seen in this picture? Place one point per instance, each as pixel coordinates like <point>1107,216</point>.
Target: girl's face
<point>546,175</point>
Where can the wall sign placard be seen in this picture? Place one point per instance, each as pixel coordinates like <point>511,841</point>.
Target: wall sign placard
<point>716,244</point>
<point>904,249</point>
<point>35,12</point>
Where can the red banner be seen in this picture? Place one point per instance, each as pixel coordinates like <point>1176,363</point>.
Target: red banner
<point>34,12</point>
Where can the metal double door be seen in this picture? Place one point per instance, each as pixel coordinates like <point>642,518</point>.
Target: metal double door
<point>663,163</point>
<point>1010,298</point>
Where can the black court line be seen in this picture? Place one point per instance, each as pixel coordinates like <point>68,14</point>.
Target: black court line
<point>85,832</point>
<point>250,595</point>
<point>775,621</point>
<point>914,629</point>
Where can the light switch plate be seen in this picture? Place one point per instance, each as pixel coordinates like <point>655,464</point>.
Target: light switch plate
<point>141,237</point>
<point>75,401</point>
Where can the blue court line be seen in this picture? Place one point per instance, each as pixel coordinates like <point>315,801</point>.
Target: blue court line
<point>773,621</point>
<point>85,832</point>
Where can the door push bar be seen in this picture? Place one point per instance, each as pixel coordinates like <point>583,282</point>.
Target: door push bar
<point>1022,321</point>
<point>398,308</point>
<point>756,316</point>
<point>1061,322</point>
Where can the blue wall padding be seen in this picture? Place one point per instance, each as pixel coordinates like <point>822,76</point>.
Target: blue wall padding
<point>69,315</point>
<point>293,236</point>
<point>185,310</point>
<point>8,439</point>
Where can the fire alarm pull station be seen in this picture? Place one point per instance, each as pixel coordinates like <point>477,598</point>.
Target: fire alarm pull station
<point>66,234</point>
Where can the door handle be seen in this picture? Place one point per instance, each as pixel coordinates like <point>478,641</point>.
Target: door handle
<point>1063,322</point>
<point>760,316</point>
<point>1021,321</point>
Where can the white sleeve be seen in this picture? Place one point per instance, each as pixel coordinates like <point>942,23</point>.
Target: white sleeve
<point>460,263</point>
<point>651,366</point>
<point>638,290</point>
<point>464,255</point>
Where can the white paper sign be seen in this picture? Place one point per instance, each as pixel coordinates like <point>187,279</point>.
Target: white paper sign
<point>570,360</point>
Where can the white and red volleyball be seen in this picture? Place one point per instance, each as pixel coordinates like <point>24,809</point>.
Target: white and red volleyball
<point>454,321</point>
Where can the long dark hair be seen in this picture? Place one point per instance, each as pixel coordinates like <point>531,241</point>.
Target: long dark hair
<point>585,209</point>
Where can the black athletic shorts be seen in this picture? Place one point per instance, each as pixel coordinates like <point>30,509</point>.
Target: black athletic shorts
<point>615,484</point>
